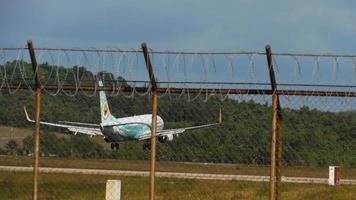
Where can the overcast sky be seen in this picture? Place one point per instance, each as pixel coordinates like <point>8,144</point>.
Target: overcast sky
<point>293,26</point>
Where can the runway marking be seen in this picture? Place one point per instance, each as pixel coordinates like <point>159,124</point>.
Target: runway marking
<point>202,176</point>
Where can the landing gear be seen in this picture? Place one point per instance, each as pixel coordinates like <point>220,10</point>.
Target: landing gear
<point>115,146</point>
<point>147,145</point>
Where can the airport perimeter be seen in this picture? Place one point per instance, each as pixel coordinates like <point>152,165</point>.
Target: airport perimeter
<point>240,125</point>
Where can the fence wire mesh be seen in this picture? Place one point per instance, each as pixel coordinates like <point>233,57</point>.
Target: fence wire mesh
<point>228,161</point>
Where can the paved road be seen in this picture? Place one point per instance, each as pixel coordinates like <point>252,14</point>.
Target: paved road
<point>172,175</point>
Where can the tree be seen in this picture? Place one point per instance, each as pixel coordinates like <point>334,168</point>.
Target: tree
<point>2,151</point>
<point>11,147</point>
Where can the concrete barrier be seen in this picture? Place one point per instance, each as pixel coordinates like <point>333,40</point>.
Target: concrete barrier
<point>113,190</point>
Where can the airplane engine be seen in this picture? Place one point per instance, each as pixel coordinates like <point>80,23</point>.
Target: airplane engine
<point>163,139</point>
<point>170,137</point>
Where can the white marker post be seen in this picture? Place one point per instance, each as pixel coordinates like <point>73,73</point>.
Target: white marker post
<point>334,175</point>
<point>113,190</point>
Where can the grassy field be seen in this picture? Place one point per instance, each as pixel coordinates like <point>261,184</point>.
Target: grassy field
<point>317,172</point>
<point>18,186</point>
<point>17,134</point>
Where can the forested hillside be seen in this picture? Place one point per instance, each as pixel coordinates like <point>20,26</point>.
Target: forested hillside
<point>311,137</point>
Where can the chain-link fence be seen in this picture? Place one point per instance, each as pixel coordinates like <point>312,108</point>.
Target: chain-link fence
<point>214,128</point>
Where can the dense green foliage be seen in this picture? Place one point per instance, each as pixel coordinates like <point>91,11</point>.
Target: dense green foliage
<point>311,137</point>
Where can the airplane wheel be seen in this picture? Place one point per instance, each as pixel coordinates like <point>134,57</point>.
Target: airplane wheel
<point>147,145</point>
<point>112,145</point>
<point>117,146</point>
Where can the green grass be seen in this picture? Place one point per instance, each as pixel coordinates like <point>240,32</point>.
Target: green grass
<point>18,186</point>
<point>76,187</point>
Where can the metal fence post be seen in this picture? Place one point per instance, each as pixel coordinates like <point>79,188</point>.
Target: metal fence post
<point>154,120</point>
<point>273,149</point>
<point>279,141</point>
<point>276,138</point>
<point>36,137</point>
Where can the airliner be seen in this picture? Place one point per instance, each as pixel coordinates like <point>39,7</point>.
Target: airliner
<point>115,130</point>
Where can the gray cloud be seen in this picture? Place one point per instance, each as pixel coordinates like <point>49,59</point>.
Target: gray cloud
<point>184,25</point>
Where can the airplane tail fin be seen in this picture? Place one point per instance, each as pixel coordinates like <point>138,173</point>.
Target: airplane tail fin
<point>104,107</point>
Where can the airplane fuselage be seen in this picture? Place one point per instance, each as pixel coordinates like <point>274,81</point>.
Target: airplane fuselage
<point>129,128</point>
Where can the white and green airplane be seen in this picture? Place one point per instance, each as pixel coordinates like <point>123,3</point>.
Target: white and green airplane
<point>115,130</point>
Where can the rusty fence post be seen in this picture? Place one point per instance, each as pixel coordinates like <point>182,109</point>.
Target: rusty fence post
<point>279,141</point>
<point>154,120</point>
<point>276,138</point>
<point>36,151</point>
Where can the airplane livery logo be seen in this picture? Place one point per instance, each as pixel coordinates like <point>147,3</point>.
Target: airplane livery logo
<point>106,110</point>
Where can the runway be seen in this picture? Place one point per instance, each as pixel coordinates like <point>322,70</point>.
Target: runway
<point>201,176</point>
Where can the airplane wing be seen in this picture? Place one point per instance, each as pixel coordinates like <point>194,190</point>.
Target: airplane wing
<point>76,129</point>
<point>175,131</point>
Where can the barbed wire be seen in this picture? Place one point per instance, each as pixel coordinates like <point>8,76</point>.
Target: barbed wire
<point>133,50</point>
<point>245,70</point>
